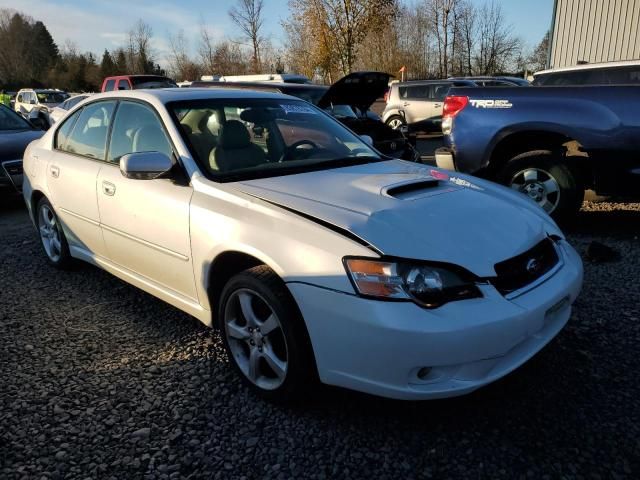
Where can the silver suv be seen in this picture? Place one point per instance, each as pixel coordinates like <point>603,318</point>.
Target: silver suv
<point>418,104</point>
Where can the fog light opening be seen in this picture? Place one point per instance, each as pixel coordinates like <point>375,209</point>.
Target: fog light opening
<point>424,372</point>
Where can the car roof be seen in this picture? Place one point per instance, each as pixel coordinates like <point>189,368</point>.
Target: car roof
<point>264,85</point>
<point>429,82</point>
<point>166,95</point>
<point>590,66</point>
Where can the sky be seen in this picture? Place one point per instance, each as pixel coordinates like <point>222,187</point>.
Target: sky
<point>93,25</point>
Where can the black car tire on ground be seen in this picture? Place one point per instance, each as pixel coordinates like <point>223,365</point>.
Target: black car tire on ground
<point>552,164</point>
<point>291,340</point>
<point>396,120</point>
<point>62,259</point>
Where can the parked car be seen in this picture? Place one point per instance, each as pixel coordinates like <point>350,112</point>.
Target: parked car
<point>608,73</point>
<point>496,81</point>
<point>61,110</point>
<point>550,143</point>
<point>136,82</point>
<point>15,134</point>
<point>38,103</point>
<point>418,104</point>
<point>349,100</point>
<point>314,255</point>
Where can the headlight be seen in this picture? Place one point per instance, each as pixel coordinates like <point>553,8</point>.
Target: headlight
<point>427,285</point>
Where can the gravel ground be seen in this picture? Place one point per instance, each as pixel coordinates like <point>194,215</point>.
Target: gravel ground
<point>100,380</point>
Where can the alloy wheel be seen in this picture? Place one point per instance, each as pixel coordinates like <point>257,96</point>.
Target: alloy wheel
<point>256,339</point>
<point>49,234</point>
<point>395,123</point>
<point>539,185</point>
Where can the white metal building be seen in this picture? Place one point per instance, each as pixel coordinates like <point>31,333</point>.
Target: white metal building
<point>594,31</point>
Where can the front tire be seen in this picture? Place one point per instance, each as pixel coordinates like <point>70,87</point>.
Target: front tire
<point>265,336</point>
<point>545,178</point>
<point>52,238</point>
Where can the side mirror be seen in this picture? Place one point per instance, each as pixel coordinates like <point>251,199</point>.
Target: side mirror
<point>37,120</point>
<point>145,165</point>
<point>367,139</point>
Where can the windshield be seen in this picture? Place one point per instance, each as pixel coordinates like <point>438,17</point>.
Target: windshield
<point>10,120</point>
<point>235,139</point>
<point>51,97</point>
<point>311,95</point>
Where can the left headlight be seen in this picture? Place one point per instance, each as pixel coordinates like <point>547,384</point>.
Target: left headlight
<point>430,286</point>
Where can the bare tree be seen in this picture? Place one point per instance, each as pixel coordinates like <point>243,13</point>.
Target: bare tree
<point>139,52</point>
<point>247,15</point>
<point>498,47</point>
<point>181,67</point>
<point>206,51</point>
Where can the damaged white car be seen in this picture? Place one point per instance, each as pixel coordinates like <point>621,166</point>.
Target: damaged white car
<point>315,255</point>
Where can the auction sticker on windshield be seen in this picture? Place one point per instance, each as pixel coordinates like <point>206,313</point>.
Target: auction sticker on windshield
<point>298,108</point>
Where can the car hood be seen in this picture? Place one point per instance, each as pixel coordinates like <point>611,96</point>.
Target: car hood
<point>13,143</point>
<point>402,210</point>
<point>359,89</point>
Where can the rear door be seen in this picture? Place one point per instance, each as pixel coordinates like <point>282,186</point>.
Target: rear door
<point>414,99</point>
<point>145,223</point>
<point>80,147</point>
<point>437,94</point>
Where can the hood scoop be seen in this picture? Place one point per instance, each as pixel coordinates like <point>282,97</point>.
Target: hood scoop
<point>411,190</point>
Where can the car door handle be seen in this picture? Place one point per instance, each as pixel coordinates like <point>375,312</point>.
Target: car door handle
<point>406,104</point>
<point>437,105</point>
<point>54,171</point>
<point>108,188</point>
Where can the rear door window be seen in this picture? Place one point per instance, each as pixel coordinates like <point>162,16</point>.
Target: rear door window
<point>123,84</point>
<point>110,85</point>
<point>415,92</point>
<point>89,135</point>
<point>439,91</point>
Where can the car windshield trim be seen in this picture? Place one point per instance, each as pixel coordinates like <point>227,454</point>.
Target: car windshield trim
<point>275,169</point>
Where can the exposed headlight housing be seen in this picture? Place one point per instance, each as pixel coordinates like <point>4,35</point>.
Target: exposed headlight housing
<point>429,285</point>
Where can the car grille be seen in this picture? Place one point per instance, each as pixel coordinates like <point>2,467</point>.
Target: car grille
<point>521,270</point>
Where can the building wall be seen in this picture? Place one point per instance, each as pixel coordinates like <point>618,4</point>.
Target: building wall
<point>595,31</point>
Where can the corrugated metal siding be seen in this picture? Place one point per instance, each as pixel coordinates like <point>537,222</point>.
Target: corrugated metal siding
<point>595,31</point>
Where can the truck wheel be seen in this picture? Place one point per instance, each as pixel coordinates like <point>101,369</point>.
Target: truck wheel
<point>543,176</point>
<point>395,122</point>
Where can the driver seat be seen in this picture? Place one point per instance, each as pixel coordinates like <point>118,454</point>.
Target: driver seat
<point>235,149</point>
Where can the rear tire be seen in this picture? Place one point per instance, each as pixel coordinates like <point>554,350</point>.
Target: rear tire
<point>264,335</point>
<point>545,178</point>
<point>52,238</point>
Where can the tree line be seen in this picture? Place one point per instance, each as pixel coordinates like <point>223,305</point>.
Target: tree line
<point>323,39</point>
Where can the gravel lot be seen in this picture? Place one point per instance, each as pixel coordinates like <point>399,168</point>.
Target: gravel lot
<point>100,380</point>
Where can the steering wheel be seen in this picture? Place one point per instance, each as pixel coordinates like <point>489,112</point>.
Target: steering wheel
<point>294,146</point>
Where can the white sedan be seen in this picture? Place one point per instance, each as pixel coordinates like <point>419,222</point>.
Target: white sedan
<point>314,255</point>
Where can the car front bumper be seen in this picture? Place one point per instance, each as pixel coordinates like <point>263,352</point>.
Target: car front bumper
<point>11,174</point>
<point>380,347</point>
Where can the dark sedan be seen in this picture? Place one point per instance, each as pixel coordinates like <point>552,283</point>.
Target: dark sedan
<point>15,134</point>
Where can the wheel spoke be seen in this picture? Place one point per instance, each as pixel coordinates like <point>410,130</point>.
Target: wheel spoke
<point>547,205</point>
<point>44,231</point>
<point>551,186</point>
<point>269,325</point>
<point>236,331</point>
<point>56,244</point>
<point>530,175</point>
<point>278,366</point>
<point>247,309</point>
<point>254,360</point>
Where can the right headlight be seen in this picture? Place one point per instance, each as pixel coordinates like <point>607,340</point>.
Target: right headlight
<point>428,285</point>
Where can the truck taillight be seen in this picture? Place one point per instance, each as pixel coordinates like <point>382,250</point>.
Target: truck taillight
<point>453,105</point>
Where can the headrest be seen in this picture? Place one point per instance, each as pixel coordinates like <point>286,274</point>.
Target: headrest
<point>234,135</point>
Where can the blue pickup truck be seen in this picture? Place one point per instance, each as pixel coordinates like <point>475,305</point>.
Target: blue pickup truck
<point>550,143</point>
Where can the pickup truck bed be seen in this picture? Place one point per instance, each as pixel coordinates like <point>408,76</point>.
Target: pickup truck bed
<point>548,142</point>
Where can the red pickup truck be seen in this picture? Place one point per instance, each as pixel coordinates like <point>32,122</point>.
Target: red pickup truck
<point>136,82</point>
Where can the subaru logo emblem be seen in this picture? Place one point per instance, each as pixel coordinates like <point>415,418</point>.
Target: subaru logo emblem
<point>533,265</point>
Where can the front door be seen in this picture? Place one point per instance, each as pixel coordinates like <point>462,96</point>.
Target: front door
<point>145,223</point>
<point>72,171</point>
